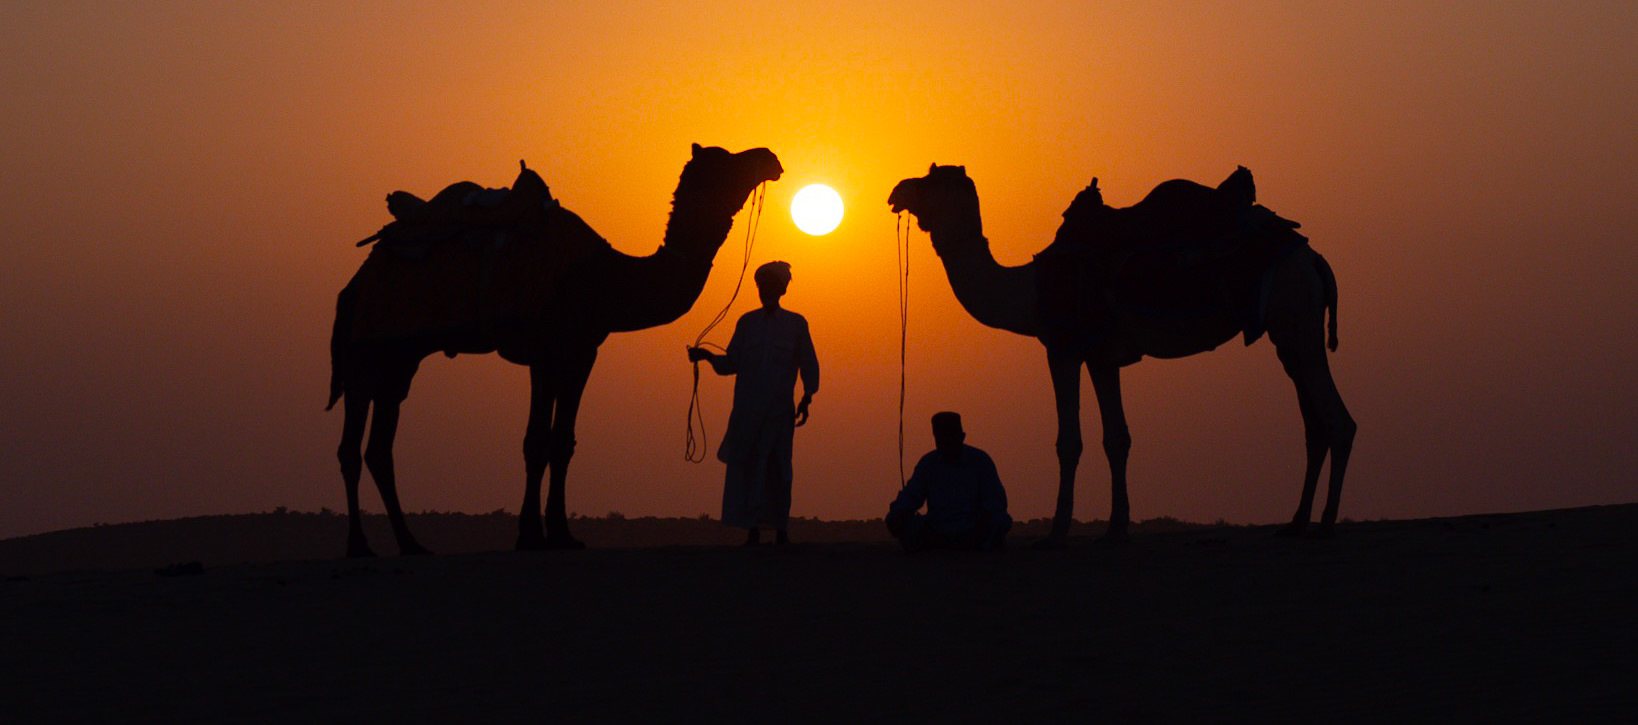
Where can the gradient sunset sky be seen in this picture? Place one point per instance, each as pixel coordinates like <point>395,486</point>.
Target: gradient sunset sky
<point>181,185</point>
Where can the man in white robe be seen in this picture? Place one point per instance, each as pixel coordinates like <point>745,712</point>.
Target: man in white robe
<point>770,349</point>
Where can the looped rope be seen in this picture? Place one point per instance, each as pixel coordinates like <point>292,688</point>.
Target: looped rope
<point>901,240</point>
<point>695,447</point>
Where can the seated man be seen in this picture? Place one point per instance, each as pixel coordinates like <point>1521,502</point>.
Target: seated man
<point>966,505</point>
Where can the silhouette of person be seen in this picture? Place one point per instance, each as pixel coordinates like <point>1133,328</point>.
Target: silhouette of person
<point>770,349</point>
<point>966,504</point>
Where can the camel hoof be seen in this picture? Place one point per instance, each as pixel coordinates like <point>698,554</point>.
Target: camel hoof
<point>413,549</point>
<point>360,552</point>
<point>531,542</point>
<point>1323,532</point>
<point>1050,543</point>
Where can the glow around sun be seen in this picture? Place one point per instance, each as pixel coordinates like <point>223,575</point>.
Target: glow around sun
<point>816,209</point>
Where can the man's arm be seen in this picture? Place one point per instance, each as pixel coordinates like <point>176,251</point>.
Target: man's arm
<point>914,493</point>
<point>724,363</point>
<point>807,367</point>
<point>992,496</point>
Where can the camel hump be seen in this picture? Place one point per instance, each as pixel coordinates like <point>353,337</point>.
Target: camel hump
<point>465,206</point>
<point>1177,195</point>
<point>566,229</point>
<point>465,202</point>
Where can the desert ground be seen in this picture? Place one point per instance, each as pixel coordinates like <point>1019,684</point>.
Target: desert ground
<point>1521,617</point>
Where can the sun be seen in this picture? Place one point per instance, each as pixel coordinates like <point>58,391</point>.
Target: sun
<point>816,209</point>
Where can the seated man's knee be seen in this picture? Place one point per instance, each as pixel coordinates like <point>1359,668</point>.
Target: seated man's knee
<point>896,525</point>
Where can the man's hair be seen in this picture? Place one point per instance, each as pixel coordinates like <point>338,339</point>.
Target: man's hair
<point>946,421</point>
<point>772,271</point>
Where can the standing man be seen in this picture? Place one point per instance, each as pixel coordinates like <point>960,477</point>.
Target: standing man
<point>769,350</point>
<point>966,504</point>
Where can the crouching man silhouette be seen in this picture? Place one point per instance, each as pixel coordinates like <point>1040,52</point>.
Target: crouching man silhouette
<point>966,505</point>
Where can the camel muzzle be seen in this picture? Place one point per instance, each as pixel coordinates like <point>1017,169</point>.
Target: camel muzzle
<point>902,196</point>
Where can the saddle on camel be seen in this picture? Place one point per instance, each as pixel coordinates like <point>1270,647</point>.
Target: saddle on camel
<point>471,264</point>
<point>1185,250</point>
<point>465,206</point>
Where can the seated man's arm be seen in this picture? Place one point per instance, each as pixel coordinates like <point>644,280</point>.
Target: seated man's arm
<point>913,495</point>
<point>992,496</point>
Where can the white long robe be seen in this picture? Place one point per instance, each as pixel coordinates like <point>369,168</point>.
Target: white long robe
<point>769,350</point>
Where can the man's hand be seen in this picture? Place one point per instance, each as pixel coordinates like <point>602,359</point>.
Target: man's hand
<point>802,410</point>
<point>696,354</point>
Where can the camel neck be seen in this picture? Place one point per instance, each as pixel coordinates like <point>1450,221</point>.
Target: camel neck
<point>659,288</point>
<point>995,295</point>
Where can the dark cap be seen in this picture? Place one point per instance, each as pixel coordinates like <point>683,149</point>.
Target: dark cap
<point>772,271</point>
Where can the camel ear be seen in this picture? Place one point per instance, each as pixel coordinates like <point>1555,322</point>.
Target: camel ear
<point>696,149</point>
<point>931,168</point>
<point>962,169</point>
<point>1094,183</point>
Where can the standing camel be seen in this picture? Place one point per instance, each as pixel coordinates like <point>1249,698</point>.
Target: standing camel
<point>1180,273</point>
<point>545,293</point>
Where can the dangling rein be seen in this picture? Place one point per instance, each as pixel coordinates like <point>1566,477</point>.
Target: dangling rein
<point>901,240</point>
<point>695,447</point>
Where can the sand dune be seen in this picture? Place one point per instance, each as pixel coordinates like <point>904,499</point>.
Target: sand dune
<point>1501,618</point>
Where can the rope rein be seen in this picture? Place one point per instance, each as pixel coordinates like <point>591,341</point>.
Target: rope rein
<point>695,447</point>
<point>901,240</point>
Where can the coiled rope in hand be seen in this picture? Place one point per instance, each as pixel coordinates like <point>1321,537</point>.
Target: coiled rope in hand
<point>695,447</point>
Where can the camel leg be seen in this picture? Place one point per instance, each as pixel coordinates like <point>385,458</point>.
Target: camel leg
<point>1117,444</point>
<point>570,383</point>
<point>1066,390</point>
<point>1339,430</point>
<point>1317,447</point>
<point>357,411</point>
<point>1314,437</point>
<point>378,456</point>
<point>1327,427</point>
<point>531,536</point>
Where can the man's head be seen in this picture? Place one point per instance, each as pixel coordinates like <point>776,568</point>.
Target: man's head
<point>772,279</point>
<point>947,434</point>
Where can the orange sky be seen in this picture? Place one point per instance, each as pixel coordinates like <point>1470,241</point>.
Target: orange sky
<point>182,183</point>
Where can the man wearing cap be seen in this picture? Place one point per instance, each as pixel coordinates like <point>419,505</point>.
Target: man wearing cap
<point>966,504</point>
<point>770,349</point>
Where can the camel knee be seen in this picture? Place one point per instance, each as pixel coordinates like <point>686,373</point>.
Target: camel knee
<point>352,462</point>
<point>561,450</point>
<point>1116,444</point>
<point>534,450</point>
<point>379,459</point>
<point>1069,450</point>
<point>1340,429</point>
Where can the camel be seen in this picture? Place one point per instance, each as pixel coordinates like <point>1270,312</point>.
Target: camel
<point>1178,274</point>
<point>544,293</point>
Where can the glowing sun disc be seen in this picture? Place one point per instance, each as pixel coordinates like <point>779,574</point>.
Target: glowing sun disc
<point>816,209</point>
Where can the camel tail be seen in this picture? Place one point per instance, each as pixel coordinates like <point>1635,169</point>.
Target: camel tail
<point>340,333</point>
<point>1330,280</point>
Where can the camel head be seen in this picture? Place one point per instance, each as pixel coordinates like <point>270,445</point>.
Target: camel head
<point>943,201</point>
<point>733,176</point>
